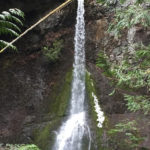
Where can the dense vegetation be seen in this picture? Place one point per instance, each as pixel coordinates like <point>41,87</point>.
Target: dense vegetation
<point>132,75</point>
<point>21,147</point>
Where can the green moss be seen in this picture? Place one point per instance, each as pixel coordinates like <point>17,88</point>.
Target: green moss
<point>44,136</point>
<point>57,106</point>
<point>60,97</point>
<point>93,115</point>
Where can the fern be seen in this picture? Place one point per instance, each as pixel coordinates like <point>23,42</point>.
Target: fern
<point>129,17</point>
<point>16,12</point>
<point>52,54</point>
<point>4,43</point>
<point>29,147</point>
<point>4,30</point>
<point>9,24</point>
<point>135,75</point>
<point>130,132</point>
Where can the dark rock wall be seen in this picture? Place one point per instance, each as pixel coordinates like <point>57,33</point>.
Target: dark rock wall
<point>27,79</point>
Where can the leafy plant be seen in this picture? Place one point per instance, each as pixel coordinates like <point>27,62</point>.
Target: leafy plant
<point>100,1</point>
<point>9,25</point>
<point>21,147</point>
<point>28,147</point>
<point>136,103</point>
<point>53,53</point>
<point>135,75</point>
<point>128,17</point>
<point>103,63</point>
<point>129,131</point>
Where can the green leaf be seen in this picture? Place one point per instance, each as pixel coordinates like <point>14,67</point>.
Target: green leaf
<point>4,44</point>
<point>17,12</point>
<point>9,24</point>
<point>4,30</point>
<point>17,20</point>
<point>113,92</point>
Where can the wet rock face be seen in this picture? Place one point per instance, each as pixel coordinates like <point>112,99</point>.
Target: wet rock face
<point>26,85</point>
<point>27,79</point>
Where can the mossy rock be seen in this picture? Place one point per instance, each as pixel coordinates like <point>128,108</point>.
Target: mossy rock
<point>56,109</point>
<point>59,99</point>
<point>98,132</point>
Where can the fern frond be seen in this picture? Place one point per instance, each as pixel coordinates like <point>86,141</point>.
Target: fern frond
<point>7,15</point>
<point>17,20</point>
<point>2,17</point>
<point>17,12</point>
<point>9,21</point>
<point>4,43</point>
<point>9,24</point>
<point>4,30</point>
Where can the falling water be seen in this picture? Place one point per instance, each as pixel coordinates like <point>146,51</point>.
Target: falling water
<point>74,131</point>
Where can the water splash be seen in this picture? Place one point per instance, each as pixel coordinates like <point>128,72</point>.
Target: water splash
<point>75,129</point>
<point>100,114</point>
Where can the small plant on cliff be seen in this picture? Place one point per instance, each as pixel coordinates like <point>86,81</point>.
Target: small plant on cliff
<point>128,133</point>
<point>103,63</point>
<point>135,103</point>
<point>135,75</point>
<point>53,53</point>
<point>128,17</point>
<point>10,22</point>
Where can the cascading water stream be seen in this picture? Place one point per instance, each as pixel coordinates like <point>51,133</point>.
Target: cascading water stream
<point>74,131</point>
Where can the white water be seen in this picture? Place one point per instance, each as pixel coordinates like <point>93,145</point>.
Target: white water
<point>73,131</point>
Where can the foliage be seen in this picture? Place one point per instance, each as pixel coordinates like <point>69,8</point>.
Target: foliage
<point>103,63</point>
<point>9,24</point>
<point>128,17</point>
<point>28,147</point>
<point>21,147</point>
<point>136,103</point>
<point>122,1</point>
<point>130,132</point>
<point>136,2</point>
<point>135,74</point>
<point>100,1</point>
<point>53,53</point>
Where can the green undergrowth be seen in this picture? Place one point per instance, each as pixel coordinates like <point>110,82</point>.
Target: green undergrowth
<point>57,106</point>
<point>102,62</point>
<point>19,147</point>
<point>126,18</point>
<point>90,88</point>
<point>44,136</point>
<point>53,53</point>
<point>129,133</point>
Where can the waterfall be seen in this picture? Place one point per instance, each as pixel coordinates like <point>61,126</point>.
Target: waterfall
<point>74,130</point>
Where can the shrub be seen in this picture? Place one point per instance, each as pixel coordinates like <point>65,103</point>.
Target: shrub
<point>129,17</point>
<point>130,134</point>
<point>53,53</point>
